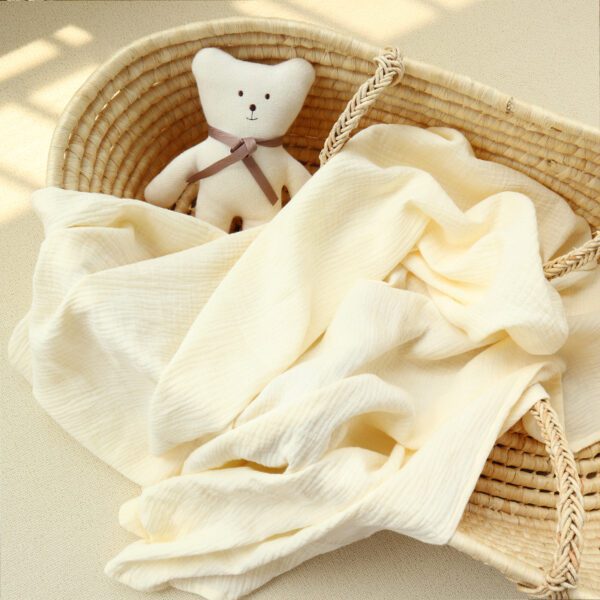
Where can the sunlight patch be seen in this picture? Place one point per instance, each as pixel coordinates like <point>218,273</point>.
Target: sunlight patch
<point>74,36</point>
<point>26,57</point>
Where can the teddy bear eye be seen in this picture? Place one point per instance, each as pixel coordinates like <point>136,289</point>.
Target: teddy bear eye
<point>240,93</point>
<point>267,96</point>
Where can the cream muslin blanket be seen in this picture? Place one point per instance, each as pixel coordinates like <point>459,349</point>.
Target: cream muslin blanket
<point>344,369</point>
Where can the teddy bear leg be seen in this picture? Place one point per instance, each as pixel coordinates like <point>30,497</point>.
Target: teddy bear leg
<point>220,217</point>
<point>237,224</point>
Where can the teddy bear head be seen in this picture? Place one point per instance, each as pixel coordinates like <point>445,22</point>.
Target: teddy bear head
<point>250,99</point>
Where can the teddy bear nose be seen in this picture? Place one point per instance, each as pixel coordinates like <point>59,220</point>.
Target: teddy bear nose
<point>253,107</point>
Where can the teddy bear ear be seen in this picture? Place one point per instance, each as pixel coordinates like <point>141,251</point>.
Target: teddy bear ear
<point>299,70</point>
<point>209,59</point>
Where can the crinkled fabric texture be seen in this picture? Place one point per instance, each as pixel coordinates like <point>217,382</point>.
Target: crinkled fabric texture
<point>343,369</point>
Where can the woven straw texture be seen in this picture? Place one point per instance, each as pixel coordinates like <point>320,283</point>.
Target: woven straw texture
<point>535,512</point>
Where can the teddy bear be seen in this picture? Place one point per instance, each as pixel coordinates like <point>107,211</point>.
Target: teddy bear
<point>242,166</point>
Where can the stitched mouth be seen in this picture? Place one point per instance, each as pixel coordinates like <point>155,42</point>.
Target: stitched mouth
<point>251,118</point>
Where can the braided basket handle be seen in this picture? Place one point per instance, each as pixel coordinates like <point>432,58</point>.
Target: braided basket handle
<point>390,70</point>
<point>574,260</point>
<point>563,573</point>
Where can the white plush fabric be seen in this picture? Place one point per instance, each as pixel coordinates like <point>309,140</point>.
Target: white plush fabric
<point>343,369</point>
<point>247,100</point>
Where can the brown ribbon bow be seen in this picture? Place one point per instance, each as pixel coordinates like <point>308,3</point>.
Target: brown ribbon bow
<point>241,149</point>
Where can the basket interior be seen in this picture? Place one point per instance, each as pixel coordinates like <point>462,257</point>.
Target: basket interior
<point>141,109</point>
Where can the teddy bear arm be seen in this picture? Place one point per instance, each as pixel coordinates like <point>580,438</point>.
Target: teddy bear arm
<point>297,175</point>
<point>168,185</point>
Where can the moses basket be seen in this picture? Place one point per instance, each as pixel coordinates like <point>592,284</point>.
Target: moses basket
<point>535,511</point>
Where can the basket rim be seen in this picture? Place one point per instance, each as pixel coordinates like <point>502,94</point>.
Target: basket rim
<point>340,42</point>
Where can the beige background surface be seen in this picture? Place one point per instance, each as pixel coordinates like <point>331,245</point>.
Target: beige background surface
<point>59,503</point>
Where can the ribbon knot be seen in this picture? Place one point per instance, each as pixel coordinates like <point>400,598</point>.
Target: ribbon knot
<point>249,143</point>
<point>240,149</point>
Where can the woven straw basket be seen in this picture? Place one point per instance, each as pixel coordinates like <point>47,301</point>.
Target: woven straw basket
<point>535,512</point>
